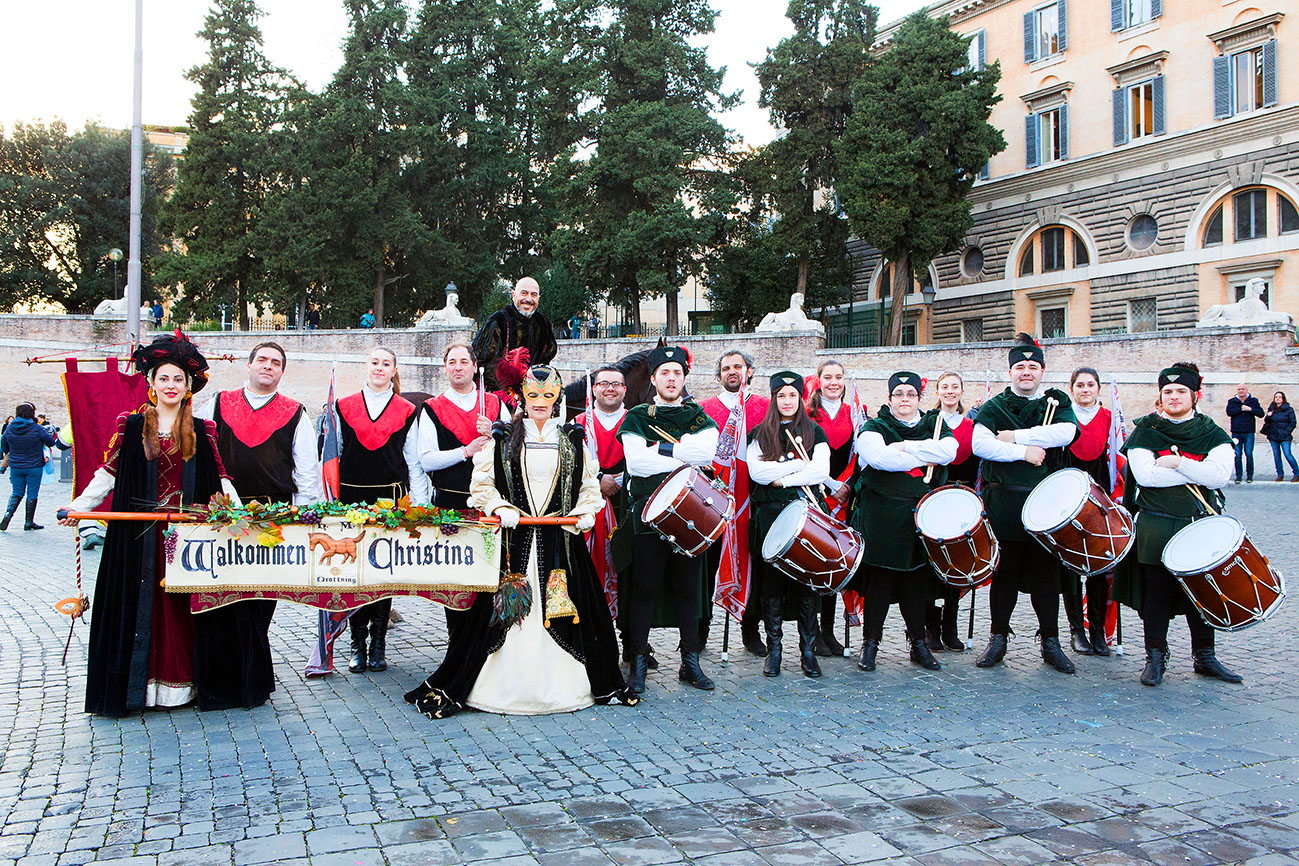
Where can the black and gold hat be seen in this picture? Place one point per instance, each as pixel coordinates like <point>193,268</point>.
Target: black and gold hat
<point>906,377</point>
<point>1027,352</point>
<point>787,377</point>
<point>669,355</point>
<point>173,349</point>
<point>1177,375</point>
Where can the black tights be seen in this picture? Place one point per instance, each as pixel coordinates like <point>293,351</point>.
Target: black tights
<point>1043,570</point>
<point>1159,588</point>
<point>656,564</point>
<point>909,586</point>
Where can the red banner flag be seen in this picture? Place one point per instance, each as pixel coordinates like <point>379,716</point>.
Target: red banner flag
<point>94,402</point>
<point>732,469</point>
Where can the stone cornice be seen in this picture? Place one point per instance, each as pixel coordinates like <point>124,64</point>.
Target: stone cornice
<point>1231,269</point>
<point>1250,31</point>
<point>956,11</point>
<point>1053,94</point>
<point>1131,70</point>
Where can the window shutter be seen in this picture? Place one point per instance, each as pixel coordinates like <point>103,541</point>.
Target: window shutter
<point>1120,116</point>
<point>983,49</point>
<point>1064,131</point>
<point>1063,10</point>
<point>1030,140</point>
<point>1221,87</point>
<point>1157,103</point>
<point>1030,37</point>
<point>1156,8</point>
<point>1116,15</point>
<point>1269,73</point>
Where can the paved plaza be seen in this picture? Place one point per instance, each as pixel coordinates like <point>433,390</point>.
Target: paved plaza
<point>1016,765</point>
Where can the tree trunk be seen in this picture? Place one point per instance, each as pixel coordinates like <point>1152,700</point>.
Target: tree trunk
<point>633,309</point>
<point>241,301</point>
<point>378,297</point>
<point>802,275</point>
<point>901,288</point>
<point>672,311</point>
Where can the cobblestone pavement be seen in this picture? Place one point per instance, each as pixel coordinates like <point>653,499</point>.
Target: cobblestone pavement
<point>1013,765</point>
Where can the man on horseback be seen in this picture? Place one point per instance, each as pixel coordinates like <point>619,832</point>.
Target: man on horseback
<point>516,326</point>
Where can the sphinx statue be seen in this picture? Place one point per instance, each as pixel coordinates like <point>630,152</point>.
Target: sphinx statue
<point>1249,310</point>
<point>792,319</point>
<point>447,318</point>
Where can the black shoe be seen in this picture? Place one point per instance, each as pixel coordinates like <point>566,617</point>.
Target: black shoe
<point>826,646</point>
<point>869,647</point>
<point>753,644</point>
<point>1207,665</point>
<point>378,646</point>
<point>995,653</point>
<point>773,622</point>
<point>921,655</point>
<point>358,663</point>
<point>1053,654</point>
<point>934,638</point>
<point>1080,643</point>
<point>1156,661</point>
<point>950,633</point>
<point>1100,644</point>
<point>1237,481</point>
<point>1249,480</point>
<point>808,610</point>
<point>651,662</point>
<point>31,516</point>
<point>636,676</point>
<point>9,515</point>
<point>691,672</point>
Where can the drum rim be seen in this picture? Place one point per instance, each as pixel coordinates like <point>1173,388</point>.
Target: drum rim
<point>644,512</point>
<point>964,491</point>
<point>1068,470</point>
<point>802,506</point>
<point>1202,569</point>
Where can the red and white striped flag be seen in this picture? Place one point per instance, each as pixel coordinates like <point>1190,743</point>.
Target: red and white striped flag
<point>734,575</point>
<point>853,603</point>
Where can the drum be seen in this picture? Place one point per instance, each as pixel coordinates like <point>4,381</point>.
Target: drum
<point>1224,575</point>
<point>957,536</point>
<point>817,550</point>
<point>688,510</point>
<point>1073,518</point>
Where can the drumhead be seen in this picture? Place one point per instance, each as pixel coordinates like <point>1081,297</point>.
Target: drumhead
<point>784,529</point>
<point>666,494</point>
<point>949,513</point>
<point>1203,545</point>
<point>1057,498</point>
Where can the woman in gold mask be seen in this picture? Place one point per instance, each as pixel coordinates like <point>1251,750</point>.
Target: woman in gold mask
<point>544,642</point>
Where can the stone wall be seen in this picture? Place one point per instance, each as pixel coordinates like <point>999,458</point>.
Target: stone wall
<point>1265,357</point>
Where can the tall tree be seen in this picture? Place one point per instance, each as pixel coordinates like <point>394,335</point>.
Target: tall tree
<point>227,173</point>
<point>647,193</point>
<point>807,87</point>
<point>64,204</point>
<point>917,137</point>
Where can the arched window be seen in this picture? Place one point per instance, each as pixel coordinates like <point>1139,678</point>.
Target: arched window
<point>1250,214</point>
<point>886,281</point>
<point>1053,248</point>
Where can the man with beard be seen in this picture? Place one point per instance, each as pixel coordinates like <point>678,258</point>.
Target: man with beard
<point>735,371</point>
<point>518,325</point>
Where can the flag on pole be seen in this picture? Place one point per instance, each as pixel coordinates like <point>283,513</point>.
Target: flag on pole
<point>734,575</point>
<point>597,539</point>
<point>329,624</point>
<point>853,603</point>
<point>1118,435</point>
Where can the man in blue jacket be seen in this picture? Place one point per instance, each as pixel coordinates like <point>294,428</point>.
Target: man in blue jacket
<point>25,442</point>
<point>1243,409</point>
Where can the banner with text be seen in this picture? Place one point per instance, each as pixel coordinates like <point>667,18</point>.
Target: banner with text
<point>335,557</point>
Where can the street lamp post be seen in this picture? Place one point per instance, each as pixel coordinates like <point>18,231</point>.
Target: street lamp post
<point>115,256</point>
<point>928,292</point>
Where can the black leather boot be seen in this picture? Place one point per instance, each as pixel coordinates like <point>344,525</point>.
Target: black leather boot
<point>636,676</point>
<point>1207,665</point>
<point>9,515</point>
<point>869,647</point>
<point>1053,654</point>
<point>31,516</point>
<point>749,634</point>
<point>826,644</point>
<point>1072,596</point>
<point>951,633</point>
<point>1100,644</point>
<point>1156,661</point>
<point>933,628</point>
<point>650,662</point>
<point>358,663</point>
<point>691,672</point>
<point>808,608</point>
<point>995,652</point>
<point>772,620</point>
<point>921,655</point>
<point>378,645</point>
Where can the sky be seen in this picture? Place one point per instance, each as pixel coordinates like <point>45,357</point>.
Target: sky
<point>82,69</point>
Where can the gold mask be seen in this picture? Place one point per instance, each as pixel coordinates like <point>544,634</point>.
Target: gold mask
<point>542,385</point>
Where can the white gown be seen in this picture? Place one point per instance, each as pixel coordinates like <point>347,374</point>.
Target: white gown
<point>531,674</point>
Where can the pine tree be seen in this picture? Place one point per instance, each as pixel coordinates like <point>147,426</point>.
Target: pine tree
<point>917,137</point>
<point>223,182</point>
<point>647,194</point>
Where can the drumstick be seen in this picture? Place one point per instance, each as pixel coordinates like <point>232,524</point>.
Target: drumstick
<point>182,517</point>
<point>802,453</point>
<point>1195,490</point>
<point>938,431</point>
<point>1051,403</point>
<point>668,436</point>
